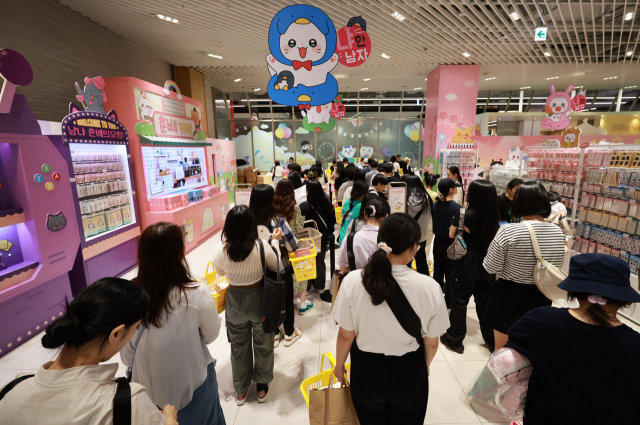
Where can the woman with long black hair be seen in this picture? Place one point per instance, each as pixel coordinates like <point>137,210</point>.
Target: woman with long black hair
<point>238,258</point>
<point>262,206</point>
<point>338,175</point>
<point>468,277</point>
<point>179,306</point>
<point>369,307</point>
<point>453,173</point>
<point>319,209</point>
<point>419,206</point>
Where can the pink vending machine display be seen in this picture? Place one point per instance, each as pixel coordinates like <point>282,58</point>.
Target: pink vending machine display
<point>169,151</point>
<point>39,235</point>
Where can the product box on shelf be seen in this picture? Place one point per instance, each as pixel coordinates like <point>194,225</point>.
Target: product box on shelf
<point>633,264</point>
<point>126,214</point>
<point>624,256</point>
<point>210,191</point>
<point>113,218</point>
<point>615,253</point>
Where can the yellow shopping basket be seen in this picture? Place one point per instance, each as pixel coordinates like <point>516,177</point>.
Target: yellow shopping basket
<point>338,215</point>
<point>304,267</point>
<point>218,287</point>
<point>324,378</point>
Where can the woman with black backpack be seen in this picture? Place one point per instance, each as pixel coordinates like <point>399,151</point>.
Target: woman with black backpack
<point>468,277</point>
<point>390,319</point>
<point>239,258</point>
<point>319,209</point>
<point>419,206</point>
<point>78,387</point>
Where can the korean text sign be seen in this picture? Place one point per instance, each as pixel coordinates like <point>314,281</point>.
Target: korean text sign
<point>173,126</point>
<point>353,45</point>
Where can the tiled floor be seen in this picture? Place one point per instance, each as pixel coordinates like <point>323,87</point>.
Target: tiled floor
<point>452,375</point>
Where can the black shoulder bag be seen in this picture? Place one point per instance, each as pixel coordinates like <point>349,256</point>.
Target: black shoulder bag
<point>406,315</point>
<point>121,401</point>
<point>273,305</point>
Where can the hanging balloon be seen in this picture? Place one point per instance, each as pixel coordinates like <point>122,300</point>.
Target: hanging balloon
<point>414,134</point>
<point>287,132</point>
<point>280,133</point>
<point>282,125</point>
<point>407,129</point>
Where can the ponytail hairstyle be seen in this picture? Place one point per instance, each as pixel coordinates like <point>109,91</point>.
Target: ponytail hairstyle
<point>400,232</point>
<point>455,171</point>
<point>416,189</point>
<point>376,206</point>
<point>431,180</point>
<point>96,312</point>
<point>595,311</point>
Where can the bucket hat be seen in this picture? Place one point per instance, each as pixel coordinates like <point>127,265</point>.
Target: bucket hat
<point>600,274</point>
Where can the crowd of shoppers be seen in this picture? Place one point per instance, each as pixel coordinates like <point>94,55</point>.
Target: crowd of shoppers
<point>391,313</point>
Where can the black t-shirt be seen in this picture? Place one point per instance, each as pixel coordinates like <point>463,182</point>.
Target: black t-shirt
<point>393,178</point>
<point>442,214</point>
<point>469,238</point>
<point>582,374</point>
<point>504,208</point>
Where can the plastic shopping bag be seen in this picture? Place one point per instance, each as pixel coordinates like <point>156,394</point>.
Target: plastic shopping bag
<point>485,388</point>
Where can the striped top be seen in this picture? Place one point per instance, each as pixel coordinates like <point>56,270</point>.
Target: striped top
<point>511,253</point>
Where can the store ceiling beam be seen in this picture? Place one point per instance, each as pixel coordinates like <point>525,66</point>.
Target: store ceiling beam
<point>487,103</point>
<point>635,101</point>
<point>530,99</point>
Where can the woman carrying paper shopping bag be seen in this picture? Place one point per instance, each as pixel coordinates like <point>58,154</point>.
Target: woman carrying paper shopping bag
<point>390,319</point>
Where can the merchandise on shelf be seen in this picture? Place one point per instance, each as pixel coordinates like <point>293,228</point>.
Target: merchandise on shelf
<point>465,159</point>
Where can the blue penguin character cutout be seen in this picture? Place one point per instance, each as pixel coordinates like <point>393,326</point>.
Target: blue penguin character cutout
<point>302,41</point>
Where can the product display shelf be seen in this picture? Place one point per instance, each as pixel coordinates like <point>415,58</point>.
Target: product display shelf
<point>466,159</point>
<point>501,176</point>
<point>560,171</point>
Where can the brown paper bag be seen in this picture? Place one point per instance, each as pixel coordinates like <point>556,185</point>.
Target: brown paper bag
<point>337,280</point>
<point>332,406</point>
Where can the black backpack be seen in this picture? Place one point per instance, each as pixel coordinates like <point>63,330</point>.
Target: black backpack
<point>121,401</point>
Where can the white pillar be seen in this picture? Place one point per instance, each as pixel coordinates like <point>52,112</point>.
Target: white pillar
<point>619,100</point>
<point>521,101</point>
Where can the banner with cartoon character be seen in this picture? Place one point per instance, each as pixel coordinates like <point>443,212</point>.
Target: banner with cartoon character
<point>560,105</point>
<point>304,50</point>
<point>93,95</point>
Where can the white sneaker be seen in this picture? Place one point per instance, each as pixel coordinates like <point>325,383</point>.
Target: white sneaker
<point>244,400</point>
<point>277,338</point>
<point>289,340</point>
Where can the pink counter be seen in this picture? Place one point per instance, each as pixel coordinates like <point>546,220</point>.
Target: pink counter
<point>198,221</point>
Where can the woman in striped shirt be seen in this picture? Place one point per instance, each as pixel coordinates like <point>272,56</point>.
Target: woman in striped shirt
<point>511,257</point>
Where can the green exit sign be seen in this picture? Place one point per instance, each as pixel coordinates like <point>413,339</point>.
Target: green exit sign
<point>540,34</point>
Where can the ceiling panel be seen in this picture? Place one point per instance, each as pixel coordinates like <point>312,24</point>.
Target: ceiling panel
<point>588,40</point>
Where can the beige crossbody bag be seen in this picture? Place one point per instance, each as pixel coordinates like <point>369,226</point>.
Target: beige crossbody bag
<point>546,275</point>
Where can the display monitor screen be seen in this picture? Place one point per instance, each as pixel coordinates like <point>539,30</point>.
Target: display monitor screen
<point>173,169</point>
<point>103,184</point>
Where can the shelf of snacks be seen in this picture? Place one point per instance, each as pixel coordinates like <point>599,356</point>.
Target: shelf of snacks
<point>466,159</point>
<point>103,191</point>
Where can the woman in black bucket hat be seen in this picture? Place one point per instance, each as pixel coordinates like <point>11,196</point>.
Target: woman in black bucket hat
<point>585,361</point>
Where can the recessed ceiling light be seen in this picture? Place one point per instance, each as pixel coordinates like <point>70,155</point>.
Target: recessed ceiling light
<point>631,87</point>
<point>175,21</point>
<point>366,88</point>
<point>384,55</point>
<point>398,16</point>
<point>466,55</point>
<point>256,89</point>
<point>160,16</point>
<point>418,88</point>
<point>629,53</point>
<point>214,56</point>
<point>367,79</point>
<point>514,16</point>
<point>609,78</point>
<point>547,54</point>
<point>425,79</point>
<point>492,78</point>
<point>523,88</point>
<point>167,18</point>
<point>628,16</point>
<point>552,78</point>
<point>237,79</point>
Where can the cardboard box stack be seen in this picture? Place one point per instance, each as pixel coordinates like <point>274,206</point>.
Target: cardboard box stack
<point>241,177</point>
<point>251,175</point>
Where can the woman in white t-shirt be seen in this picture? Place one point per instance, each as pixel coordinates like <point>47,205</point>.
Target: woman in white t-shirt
<point>370,330</point>
<point>277,173</point>
<point>78,387</point>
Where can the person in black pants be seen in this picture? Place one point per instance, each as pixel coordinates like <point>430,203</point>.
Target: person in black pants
<point>468,276</point>
<point>319,209</point>
<point>443,212</point>
<point>419,205</point>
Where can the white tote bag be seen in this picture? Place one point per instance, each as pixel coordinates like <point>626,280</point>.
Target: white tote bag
<point>546,275</point>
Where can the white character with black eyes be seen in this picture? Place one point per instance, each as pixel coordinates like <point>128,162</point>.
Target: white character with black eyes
<point>303,44</point>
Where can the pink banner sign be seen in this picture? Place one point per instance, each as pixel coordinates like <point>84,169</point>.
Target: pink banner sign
<point>173,126</point>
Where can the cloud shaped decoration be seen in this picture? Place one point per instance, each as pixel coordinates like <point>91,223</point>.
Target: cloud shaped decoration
<point>469,83</point>
<point>301,130</point>
<point>264,126</point>
<point>451,96</point>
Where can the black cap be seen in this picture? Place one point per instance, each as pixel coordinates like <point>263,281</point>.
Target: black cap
<point>446,184</point>
<point>600,274</point>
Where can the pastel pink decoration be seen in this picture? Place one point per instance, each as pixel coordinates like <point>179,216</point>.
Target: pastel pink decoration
<point>287,132</point>
<point>558,109</point>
